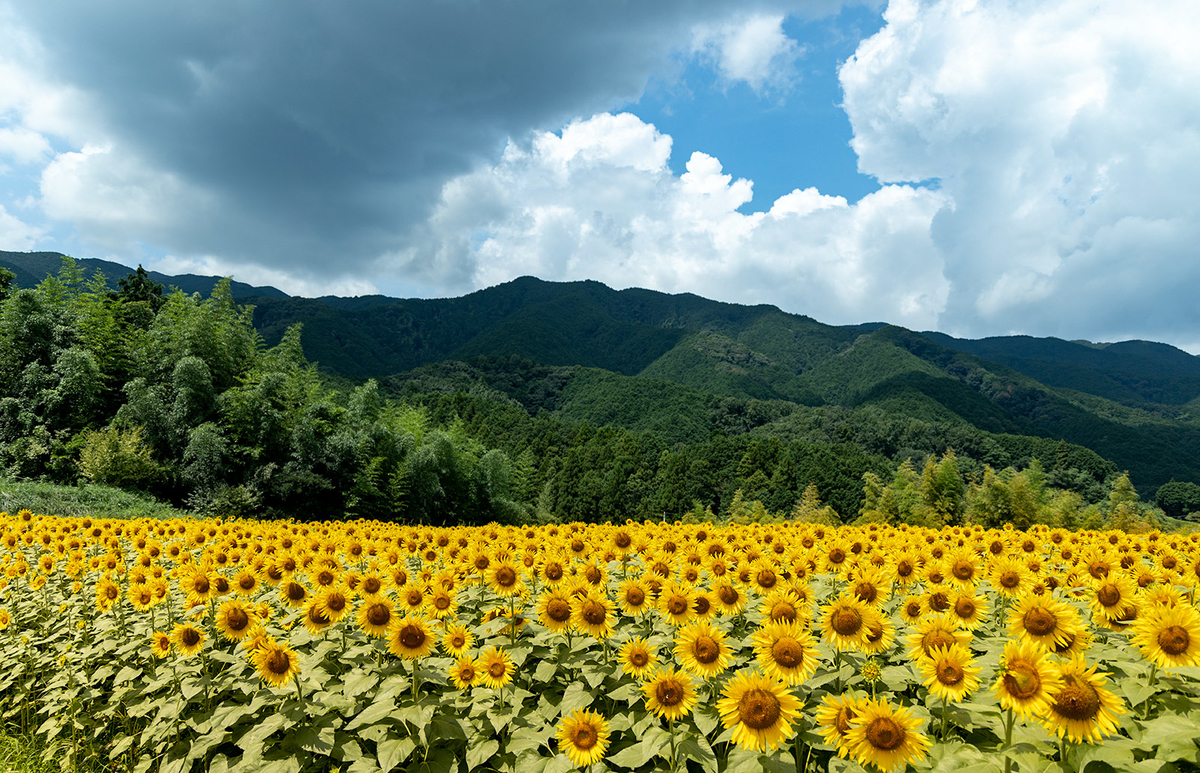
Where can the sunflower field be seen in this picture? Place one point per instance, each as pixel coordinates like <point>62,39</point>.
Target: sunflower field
<point>198,645</point>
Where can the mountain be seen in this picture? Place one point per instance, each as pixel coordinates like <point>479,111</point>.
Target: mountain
<point>684,367</point>
<point>31,268</point>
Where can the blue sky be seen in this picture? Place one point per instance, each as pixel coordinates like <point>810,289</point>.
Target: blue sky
<point>980,167</point>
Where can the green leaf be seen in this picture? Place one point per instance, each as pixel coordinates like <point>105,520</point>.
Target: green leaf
<point>318,740</point>
<point>1137,691</point>
<point>373,713</point>
<point>743,761</point>
<point>358,682</point>
<point>394,751</point>
<point>545,671</point>
<point>480,752</point>
<point>576,696</point>
<point>695,747</point>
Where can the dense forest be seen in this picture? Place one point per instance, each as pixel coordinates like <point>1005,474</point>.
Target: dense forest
<point>197,401</point>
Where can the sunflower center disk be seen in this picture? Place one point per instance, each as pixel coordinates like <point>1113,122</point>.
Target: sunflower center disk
<point>505,576</point>
<point>668,693</point>
<point>843,720</point>
<point>702,605</point>
<point>378,614</point>
<point>372,585</point>
<point>554,572</point>
<point>1174,640</point>
<point>938,602</point>
<point>336,602</point>
<point>885,733</point>
<point>584,736</point>
<point>412,637</point>
<point>728,594</point>
<point>1010,580</point>
<point>759,709</point>
<point>278,662</point>
<point>1077,700</point>
<point>236,620</point>
<point>787,652</point>
<point>190,637</point>
<point>1021,680</point>
<point>784,611</point>
<point>949,673</point>
<point>1109,595</point>
<point>846,621</point>
<point>593,613</point>
<point>458,641</point>
<point>558,610</point>
<point>963,570</point>
<point>496,669</point>
<point>964,608</point>
<point>766,579</point>
<point>635,597</point>
<point>592,574</point>
<point>639,659</point>
<point>1039,621</point>
<point>904,569</point>
<point>866,591</point>
<point>677,605</point>
<point>937,638</point>
<point>706,650</point>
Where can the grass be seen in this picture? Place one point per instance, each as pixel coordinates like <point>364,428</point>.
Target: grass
<point>21,755</point>
<point>88,500</point>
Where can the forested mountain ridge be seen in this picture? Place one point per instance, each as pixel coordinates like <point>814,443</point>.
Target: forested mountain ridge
<point>683,367</point>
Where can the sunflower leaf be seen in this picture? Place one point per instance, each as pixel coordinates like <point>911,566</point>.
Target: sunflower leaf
<point>394,751</point>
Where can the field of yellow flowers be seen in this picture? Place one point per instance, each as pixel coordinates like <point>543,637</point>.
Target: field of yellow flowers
<point>279,646</point>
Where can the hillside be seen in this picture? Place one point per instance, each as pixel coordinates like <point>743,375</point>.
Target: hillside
<point>683,367</point>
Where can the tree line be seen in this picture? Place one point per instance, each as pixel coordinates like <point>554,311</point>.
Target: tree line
<point>178,395</point>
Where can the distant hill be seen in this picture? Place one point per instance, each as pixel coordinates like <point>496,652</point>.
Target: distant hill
<point>32,267</point>
<point>683,367</point>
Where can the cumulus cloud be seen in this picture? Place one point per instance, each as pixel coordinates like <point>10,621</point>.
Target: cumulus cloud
<point>1064,136</point>
<point>307,138</point>
<point>16,234</point>
<point>753,49</point>
<point>598,201</point>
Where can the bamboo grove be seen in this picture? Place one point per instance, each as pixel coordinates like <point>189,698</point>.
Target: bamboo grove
<point>365,646</point>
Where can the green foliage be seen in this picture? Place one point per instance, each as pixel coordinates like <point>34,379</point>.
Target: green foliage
<point>116,457</point>
<point>1178,500</point>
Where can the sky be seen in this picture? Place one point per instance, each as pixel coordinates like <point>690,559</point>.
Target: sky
<point>978,167</point>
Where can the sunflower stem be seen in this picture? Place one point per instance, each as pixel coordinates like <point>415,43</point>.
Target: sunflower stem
<point>671,730</point>
<point>1009,721</point>
<point>299,693</point>
<point>945,719</point>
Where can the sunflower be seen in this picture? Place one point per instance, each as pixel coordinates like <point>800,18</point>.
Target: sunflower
<point>669,694</point>
<point>504,578</point>
<point>593,614</point>
<point>785,651</point>
<point>1081,708</point>
<point>833,719</point>
<point>442,604</point>
<point>885,737</point>
<point>373,586</point>
<point>276,663</point>
<point>634,597</point>
<point>760,710</point>
<point>235,619</point>
<point>730,600</point>
<point>968,608</point>
<point>1026,679</point>
<point>554,610</point>
<point>844,622</point>
<point>912,608</point>
<point>293,593</point>
<point>314,618</point>
<point>412,598</point>
<point>880,635</point>
<point>948,672</point>
<point>1010,577</point>
<point>464,672</point>
<point>871,586</point>
<point>188,639</point>
<point>936,631</point>
<point>496,668</point>
<point>1111,595</point>
<point>373,618</point>
<point>701,648</point>
<point>784,605</point>
<point>457,640</point>
<point>637,657</point>
<point>1044,621</point>
<point>410,638</point>
<point>1170,636</point>
<point>160,644</point>
<point>675,604</point>
<point>583,737</point>
<point>246,581</point>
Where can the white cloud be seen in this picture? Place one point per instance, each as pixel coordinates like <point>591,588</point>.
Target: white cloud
<point>253,274</point>
<point>603,217</point>
<point>1066,139</point>
<point>753,49</point>
<point>15,234</point>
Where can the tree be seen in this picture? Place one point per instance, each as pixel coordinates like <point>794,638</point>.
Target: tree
<point>1178,500</point>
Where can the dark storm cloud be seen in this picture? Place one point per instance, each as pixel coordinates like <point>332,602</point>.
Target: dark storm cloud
<point>316,129</point>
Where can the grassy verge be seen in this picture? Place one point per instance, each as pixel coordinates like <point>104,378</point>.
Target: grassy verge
<point>96,501</point>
